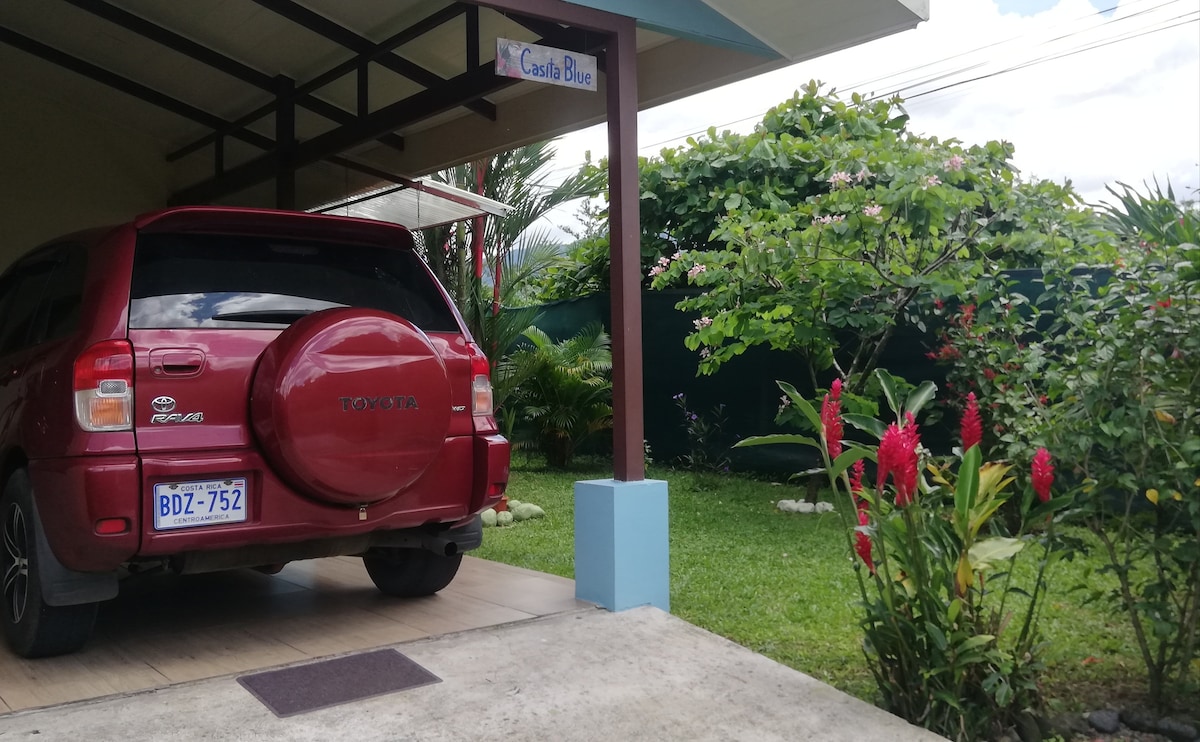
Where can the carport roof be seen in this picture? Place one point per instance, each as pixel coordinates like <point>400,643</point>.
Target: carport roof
<point>350,94</point>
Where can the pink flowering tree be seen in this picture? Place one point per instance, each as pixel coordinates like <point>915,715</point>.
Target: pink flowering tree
<point>950,637</point>
<point>824,231</point>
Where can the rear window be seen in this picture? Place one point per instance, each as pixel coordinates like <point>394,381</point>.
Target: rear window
<point>218,281</point>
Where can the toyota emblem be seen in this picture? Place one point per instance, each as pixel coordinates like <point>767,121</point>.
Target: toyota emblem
<point>163,404</point>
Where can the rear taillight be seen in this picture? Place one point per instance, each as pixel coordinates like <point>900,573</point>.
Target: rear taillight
<point>481,383</point>
<point>104,387</point>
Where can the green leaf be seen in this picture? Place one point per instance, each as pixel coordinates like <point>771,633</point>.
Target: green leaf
<point>866,424</point>
<point>975,642</point>
<point>938,636</point>
<point>801,404</point>
<point>968,485</point>
<point>954,609</point>
<point>1051,506</point>
<point>948,698</point>
<point>920,397</point>
<point>888,382</point>
<point>984,554</point>
<point>766,440</point>
<point>846,459</point>
<point>980,515</point>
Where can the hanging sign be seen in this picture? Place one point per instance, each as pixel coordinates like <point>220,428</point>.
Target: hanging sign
<point>545,64</point>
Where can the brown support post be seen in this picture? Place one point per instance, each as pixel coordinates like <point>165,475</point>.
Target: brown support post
<point>629,463</point>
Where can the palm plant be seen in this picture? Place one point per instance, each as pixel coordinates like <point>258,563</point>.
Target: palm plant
<point>1156,218</point>
<point>562,391</point>
<point>513,248</point>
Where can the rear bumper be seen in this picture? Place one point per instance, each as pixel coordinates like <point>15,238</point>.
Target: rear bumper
<point>73,494</point>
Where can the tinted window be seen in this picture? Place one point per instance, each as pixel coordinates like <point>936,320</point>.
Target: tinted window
<point>247,282</point>
<point>24,287</point>
<point>7,294</point>
<point>58,315</point>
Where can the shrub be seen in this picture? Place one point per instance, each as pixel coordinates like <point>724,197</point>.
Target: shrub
<point>951,641</point>
<point>1105,368</point>
<point>565,393</point>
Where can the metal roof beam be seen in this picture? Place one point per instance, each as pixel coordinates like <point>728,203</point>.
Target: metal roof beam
<point>216,60</point>
<point>374,172</point>
<point>403,36</point>
<point>450,94</point>
<point>430,102</point>
<point>176,42</point>
<point>129,87</point>
<point>363,46</point>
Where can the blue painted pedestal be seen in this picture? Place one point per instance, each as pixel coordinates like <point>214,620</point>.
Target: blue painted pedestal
<point>622,554</point>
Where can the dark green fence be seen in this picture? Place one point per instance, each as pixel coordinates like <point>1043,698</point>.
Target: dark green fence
<point>745,385</point>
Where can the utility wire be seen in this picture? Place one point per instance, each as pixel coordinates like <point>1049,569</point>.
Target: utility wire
<point>915,83</point>
<point>876,81</point>
<point>1052,58</point>
<point>1118,37</point>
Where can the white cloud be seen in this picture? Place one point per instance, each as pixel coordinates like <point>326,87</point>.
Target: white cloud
<point>1122,111</point>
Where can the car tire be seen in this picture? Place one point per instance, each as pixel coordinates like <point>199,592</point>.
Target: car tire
<point>32,627</point>
<point>410,573</point>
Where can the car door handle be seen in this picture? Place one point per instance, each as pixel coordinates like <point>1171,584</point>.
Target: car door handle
<point>176,362</point>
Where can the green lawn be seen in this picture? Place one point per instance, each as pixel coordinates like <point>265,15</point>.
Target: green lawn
<point>783,584</point>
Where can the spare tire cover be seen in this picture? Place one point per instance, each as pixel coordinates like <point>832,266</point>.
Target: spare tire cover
<point>350,405</point>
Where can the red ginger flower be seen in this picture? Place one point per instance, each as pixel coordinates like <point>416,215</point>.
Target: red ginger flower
<point>1043,474</point>
<point>831,419</point>
<point>972,426</point>
<point>862,543</point>
<point>856,485</point>
<point>898,459</point>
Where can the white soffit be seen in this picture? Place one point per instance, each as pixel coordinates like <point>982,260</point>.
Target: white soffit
<point>801,31</point>
<point>416,204</point>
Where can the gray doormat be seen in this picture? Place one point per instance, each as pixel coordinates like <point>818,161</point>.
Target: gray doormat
<point>296,690</point>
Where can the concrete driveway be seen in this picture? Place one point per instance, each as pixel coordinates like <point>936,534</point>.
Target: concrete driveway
<point>583,674</point>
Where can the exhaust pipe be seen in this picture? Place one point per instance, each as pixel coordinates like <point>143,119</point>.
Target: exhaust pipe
<point>440,546</point>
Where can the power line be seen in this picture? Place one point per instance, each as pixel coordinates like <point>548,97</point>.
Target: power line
<point>1011,39</point>
<point>916,83</point>
<point>1052,58</point>
<point>874,81</point>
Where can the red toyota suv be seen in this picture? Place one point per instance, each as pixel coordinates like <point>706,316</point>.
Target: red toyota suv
<point>210,388</point>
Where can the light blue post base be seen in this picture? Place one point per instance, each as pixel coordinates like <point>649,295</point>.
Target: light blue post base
<point>622,554</point>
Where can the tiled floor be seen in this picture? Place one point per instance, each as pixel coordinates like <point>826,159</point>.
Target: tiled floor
<point>167,629</point>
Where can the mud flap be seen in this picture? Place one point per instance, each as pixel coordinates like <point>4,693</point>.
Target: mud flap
<point>469,536</point>
<point>62,586</point>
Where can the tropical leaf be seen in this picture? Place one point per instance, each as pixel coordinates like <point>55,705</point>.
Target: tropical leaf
<point>986,553</point>
<point>776,438</point>
<point>920,397</point>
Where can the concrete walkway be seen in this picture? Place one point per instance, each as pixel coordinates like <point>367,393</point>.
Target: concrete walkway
<point>583,675</point>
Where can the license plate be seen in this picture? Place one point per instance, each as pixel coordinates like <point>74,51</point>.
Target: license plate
<point>193,504</point>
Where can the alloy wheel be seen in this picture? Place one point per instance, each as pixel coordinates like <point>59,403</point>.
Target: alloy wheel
<point>16,563</point>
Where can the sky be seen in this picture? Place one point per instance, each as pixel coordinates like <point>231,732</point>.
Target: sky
<point>1104,90</point>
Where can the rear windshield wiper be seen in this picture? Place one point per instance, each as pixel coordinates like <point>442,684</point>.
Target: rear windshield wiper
<point>275,316</point>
